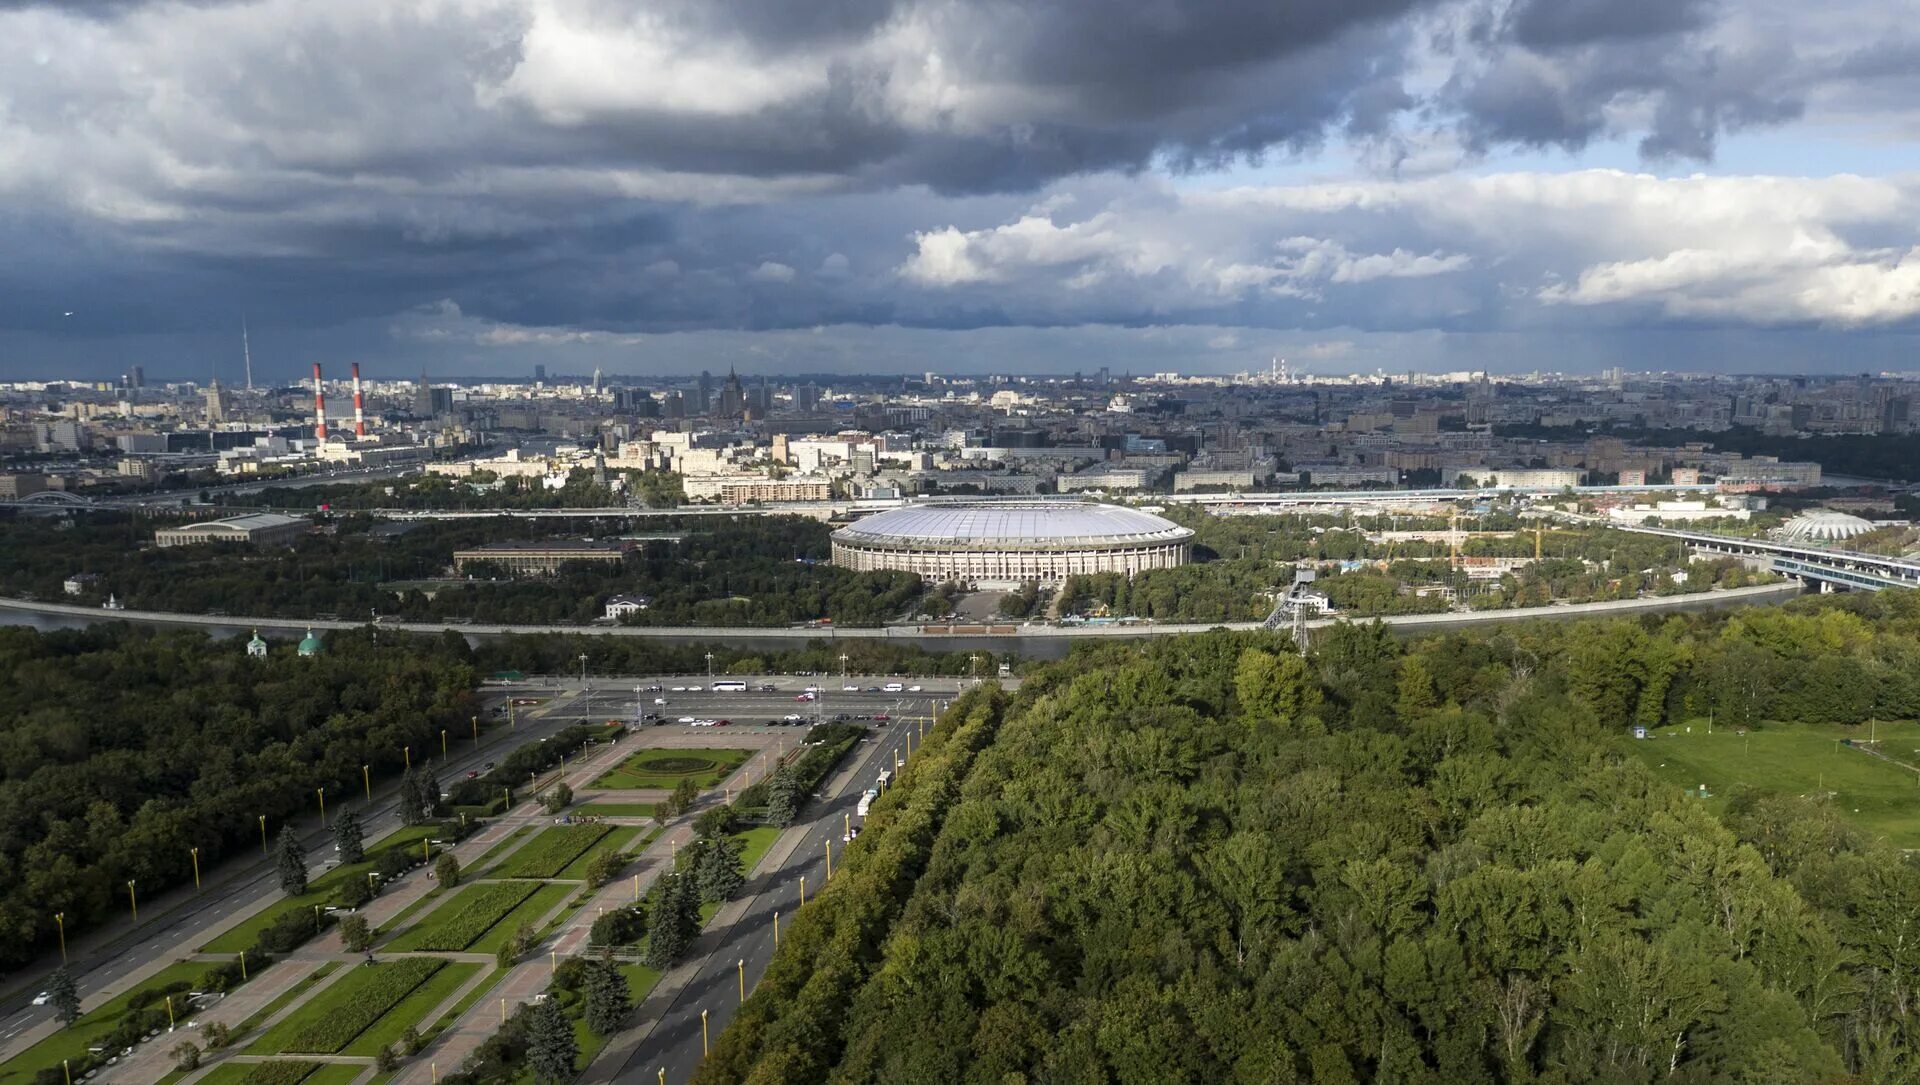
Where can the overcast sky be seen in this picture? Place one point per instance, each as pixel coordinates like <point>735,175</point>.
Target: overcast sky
<point>477,186</point>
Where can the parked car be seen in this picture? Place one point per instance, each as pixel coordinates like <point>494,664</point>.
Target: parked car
<point>913,689</point>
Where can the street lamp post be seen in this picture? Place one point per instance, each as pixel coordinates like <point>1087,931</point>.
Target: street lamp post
<point>366,778</point>
<point>322,792</point>
<point>195,852</point>
<point>263,834</point>
<point>443,744</point>
<point>709,666</point>
<point>743,980</point>
<point>705,1049</point>
<point>133,901</point>
<point>583,672</point>
<point>60,920</point>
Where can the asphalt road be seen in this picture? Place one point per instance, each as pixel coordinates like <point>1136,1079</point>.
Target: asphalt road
<point>232,889</point>
<point>675,1043</point>
<point>242,883</point>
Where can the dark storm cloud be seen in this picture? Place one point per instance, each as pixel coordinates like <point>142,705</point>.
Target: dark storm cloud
<point>1549,73</point>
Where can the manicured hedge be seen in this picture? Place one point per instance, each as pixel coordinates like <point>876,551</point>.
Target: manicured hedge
<point>460,922</point>
<point>550,852</point>
<point>346,1009</point>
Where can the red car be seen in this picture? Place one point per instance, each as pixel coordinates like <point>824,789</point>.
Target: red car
<point>723,723</point>
<point>804,697</point>
<point>881,717</point>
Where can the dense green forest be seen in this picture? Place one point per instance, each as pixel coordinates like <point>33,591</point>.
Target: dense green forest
<point>750,570</point>
<point>1208,858</point>
<point>122,748</point>
<point>480,490</point>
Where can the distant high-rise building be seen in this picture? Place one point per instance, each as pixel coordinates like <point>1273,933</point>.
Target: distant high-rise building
<point>216,403</point>
<point>540,374</point>
<point>703,398</point>
<point>596,380</point>
<point>806,399</point>
<point>138,379</point>
<point>733,397</point>
<point>675,406</point>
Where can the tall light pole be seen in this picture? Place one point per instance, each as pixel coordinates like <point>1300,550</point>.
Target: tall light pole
<point>133,901</point>
<point>843,668</point>
<point>366,777</point>
<point>60,920</point>
<point>583,674</point>
<point>195,852</point>
<point>709,666</point>
<point>263,834</point>
<point>322,792</point>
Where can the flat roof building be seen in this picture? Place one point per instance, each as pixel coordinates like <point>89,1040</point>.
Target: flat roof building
<point>543,558</point>
<point>258,528</point>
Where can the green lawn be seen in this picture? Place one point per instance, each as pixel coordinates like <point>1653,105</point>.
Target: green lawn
<point>499,848</point>
<point>663,769</point>
<point>280,1000</point>
<point>621,839</point>
<point>413,1010</point>
<point>335,1010</point>
<point>1798,759</point>
<point>336,1074</point>
<point>543,900</point>
<point>467,914</point>
<point>756,840</point>
<point>617,809</point>
<point>406,915</point>
<point>72,1043</point>
<point>547,854</point>
<point>243,934</point>
<point>238,1073</point>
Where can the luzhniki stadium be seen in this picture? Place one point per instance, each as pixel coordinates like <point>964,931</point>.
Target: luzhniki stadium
<point>1010,542</point>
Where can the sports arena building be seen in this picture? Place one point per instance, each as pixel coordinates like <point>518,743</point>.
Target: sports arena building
<point>1009,542</point>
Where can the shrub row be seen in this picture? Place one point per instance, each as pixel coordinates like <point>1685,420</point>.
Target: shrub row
<point>280,1072</point>
<point>459,924</point>
<point>146,1011</point>
<point>550,852</point>
<point>792,1026</point>
<point>358,1001</point>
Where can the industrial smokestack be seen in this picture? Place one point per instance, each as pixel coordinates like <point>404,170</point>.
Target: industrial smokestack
<point>319,406</point>
<point>359,407</point>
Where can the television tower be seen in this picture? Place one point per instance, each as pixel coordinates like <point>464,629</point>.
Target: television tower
<point>246,352</point>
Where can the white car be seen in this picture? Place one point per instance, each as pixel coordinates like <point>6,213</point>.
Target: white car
<point>688,719</point>
<point>894,687</point>
<point>849,689</point>
<point>679,689</point>
<point>695,689</point>
<point>913,689</point>
<point>795,717</point>
<point>659,700</point>
<point>43,998</point>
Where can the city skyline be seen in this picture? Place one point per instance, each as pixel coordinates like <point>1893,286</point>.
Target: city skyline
<point>1395,185</point>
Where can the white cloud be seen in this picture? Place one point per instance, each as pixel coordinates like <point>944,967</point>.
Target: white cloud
<point>771,271</point>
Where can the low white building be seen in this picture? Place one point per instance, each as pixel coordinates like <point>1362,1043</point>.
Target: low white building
<point>622,606</point>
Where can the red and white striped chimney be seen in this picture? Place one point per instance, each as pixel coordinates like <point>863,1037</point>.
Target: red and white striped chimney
<point>359,406</point>
<point>319,406</point>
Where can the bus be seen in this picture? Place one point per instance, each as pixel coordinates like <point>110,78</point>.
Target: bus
<point>729,686</point>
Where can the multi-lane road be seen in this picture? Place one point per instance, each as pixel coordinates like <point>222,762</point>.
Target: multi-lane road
<point>109,960</point>
<point>673,1040</point>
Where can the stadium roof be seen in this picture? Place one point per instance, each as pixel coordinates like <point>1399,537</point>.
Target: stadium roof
<point>1021,524</point>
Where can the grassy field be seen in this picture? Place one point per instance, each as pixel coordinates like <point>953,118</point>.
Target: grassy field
<point>1798,760</point>
<point>756,840</point>
<point>327,1022</point>
<point>617,809</point>
<point>72,1043</point>
<point>470,913</point>
<point>499,848</point>
<point>663,769</point>
<point>543,900</point>
<point>243,934</point>
<point>621,839</point>
<point>547,854</point>
<point>298,990</point>
<point>239,1073</point>
<point>413,1010</point>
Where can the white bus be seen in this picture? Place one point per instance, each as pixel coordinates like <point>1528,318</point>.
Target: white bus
<point>729,686</point>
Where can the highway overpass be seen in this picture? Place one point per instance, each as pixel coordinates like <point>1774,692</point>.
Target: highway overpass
<point>1831,569</point>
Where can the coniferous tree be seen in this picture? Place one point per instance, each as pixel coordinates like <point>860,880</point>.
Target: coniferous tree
<point>718,870</point>
<point>348,839</point>
<point>783,797</point>
<point>667,933</point>
<point>431,805</point>
<point>410,802</point>
<point>607,998</point>
<point>64,995</point>
<point>551,1048</point>
<point>290,862</point>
